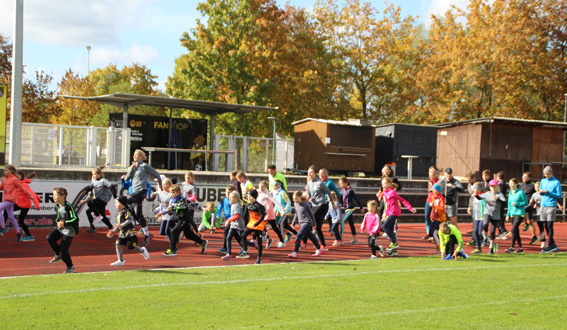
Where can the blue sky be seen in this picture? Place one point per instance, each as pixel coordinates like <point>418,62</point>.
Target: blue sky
<point>122,32</point>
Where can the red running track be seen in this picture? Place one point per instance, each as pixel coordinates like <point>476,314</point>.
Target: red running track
<point>94,252</point>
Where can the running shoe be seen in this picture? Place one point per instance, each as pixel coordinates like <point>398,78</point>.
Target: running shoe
<point>3,231</point>
<point>19,236</point>
<point>372,257</point>
<point>145,253</point>
<point>393,252</point>
<point>292,255</point>
<point>510,250</point>
<point>381,251</point>
<point>472,243</point>
<point>55,259</point>
<point>147,239</point>
<point>534,240</point>
<point>287,237</point>
<point>337,243</point>
<point>318,253</point>
<point>526,227</point>
<point>69,270</point>
<point>221,251</point>
<point>520,250</point>
<point>448,257</point>
<point>324,248</point>
<point>28,239</point>
<point>243,255</point>
<point>91,230</point>
<point>353,242</point>
<point>258,261</point>
<point>269,243</point>
<point>226,257</point>
<point>495,247</point>
<point>204,246</point>
<point>463,255</point>
<point>118,263</point>
<point>394,246</point>
<point>543,243</point>
<point>554,249</point>
<point>280,245</point>
<point>476,251</point>
<point>170,253</point>
<point>302,246</point>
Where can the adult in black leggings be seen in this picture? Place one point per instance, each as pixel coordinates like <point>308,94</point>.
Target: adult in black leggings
<point>318,192</point>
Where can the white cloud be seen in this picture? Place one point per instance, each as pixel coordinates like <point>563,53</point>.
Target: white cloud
<point>440,7</point>
<point>72,22</point>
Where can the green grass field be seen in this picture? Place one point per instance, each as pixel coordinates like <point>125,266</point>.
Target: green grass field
<point>483,292</point>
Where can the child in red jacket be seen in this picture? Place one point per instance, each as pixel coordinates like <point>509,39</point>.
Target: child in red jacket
<point>11,185</point>
<point>438,214</point>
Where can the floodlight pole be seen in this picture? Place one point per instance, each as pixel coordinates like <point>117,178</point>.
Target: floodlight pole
<point>17,89</point>
<point>273,141</point>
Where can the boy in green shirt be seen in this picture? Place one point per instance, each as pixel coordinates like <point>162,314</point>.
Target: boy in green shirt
<point>451,242</point>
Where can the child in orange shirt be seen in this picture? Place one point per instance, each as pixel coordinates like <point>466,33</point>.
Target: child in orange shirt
<point>438,214</point>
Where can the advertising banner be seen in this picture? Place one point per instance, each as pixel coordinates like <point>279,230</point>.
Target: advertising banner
<point>45,216</point>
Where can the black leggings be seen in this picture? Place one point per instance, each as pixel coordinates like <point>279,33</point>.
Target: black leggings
<point>257,235</point>
<point>136,200</point>
<point>549,228</point>
<point>21,218</point>
<point>319,212</point>
<point>98,207</point>
<point>372,242</point>
<point>232,232</point>
<point>60,249</point>
<point>516,222</point>
<point>275,228</point>
<point>184,227</point>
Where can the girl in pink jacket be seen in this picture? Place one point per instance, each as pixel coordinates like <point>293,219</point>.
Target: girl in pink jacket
<point>11,185</point>
<point>393,211</point>
<point>371,224</point>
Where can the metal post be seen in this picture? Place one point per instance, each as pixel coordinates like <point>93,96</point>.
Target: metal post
<point>274,141</point>
<point>17,87</point>
<point>88,59</point>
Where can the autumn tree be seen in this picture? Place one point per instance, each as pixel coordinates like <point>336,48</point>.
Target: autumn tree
<point>253,52</point>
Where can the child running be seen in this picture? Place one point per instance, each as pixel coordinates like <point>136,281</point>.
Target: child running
<point>269,202</point>
<point>304,216</point>
<point>349,196</point>
<point>371,224</point>
<point>517,202</point>
<point>492,212</point>
<point>24,204</point>
<point>179,210</point>
<point>438,214</point>
<point>535,201</point>
<point>67,227</point>
<point>99,194</point>
<point>234,225</point>
<point>393,212</point>
<point>283,212</point>
<point>451,242</point>
<point>189,190</point>
<point>164,197</point>
<point>126,226</point>
<point>224,210</point>
<point>254,217</point>
<point>477,211</point>
<point>335,216</point>
<point>11,185</point>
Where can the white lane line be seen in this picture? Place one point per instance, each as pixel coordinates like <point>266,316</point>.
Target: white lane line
<point>279,278</point>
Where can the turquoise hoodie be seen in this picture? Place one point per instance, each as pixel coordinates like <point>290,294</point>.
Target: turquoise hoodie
<point>518,197</point>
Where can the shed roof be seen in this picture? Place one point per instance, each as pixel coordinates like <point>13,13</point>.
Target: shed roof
<point>204,107</point>
<point>333,122</point>
<point>522,121</point>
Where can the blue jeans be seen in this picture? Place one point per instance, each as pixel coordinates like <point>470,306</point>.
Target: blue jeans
<point>427,217</point>
<point>305,231</point>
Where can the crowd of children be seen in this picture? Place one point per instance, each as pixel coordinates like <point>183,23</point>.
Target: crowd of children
<point>248,211</point>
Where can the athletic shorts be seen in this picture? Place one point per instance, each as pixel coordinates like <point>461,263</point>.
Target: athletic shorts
<point>451,210</point>
<point>548,213</point>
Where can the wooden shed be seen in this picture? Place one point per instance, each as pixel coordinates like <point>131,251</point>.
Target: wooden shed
<point>341,146</point>
<point>501,144</point>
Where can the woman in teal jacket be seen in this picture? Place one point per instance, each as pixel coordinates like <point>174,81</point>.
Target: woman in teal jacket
<point>516,210</point>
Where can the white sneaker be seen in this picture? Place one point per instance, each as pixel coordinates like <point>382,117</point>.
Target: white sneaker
<point>97,218</point>
<point>372,257</point>
<point>280,245</point>
<point>145,253</point>
<point>118,263</point>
